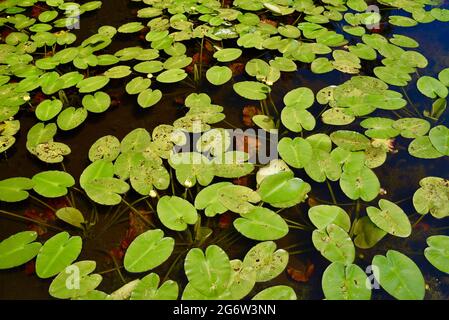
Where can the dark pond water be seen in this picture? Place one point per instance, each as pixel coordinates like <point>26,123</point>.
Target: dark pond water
<point>399,176</point>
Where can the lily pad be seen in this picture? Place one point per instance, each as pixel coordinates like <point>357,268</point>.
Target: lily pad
<point>334,244</point>
<point>52,184</point>
<point>56,254</point>
<point>436,252</point>
<point>147,251</point>
<point>176,213</point>
<point>345,282</point>
<point>399,276</point>
<point>390,218</point>
<point>18,249</point>
<point>261,224</point>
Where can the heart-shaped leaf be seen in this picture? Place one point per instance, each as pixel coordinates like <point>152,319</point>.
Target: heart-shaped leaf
<point>18,249</point>
<point>176,213</point>
<point>148,250</point>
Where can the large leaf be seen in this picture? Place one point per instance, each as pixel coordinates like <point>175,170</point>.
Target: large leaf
<point>399,276</point>
<point>390,218</point>
<point>437,252</point>
<point>52,184</point>
<point>148,289</point>
<point>208,272</point>
<point>334,244</point>
<point>148,250</point>
<point>261,224</point>
<point>283,190</point>
<point>57,253</point>
<point>324,215</point>
<point>75,280</point>
<point>14,189</point>
<point>266,260</point>
<point>18,249</point>
<point>176,213</point>
<point>342,282</point>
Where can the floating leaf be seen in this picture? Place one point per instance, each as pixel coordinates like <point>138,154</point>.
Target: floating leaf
<point>218,75</point>
<point>345,282</point>
<point>252,90</point>
<point>106,191</point>
<point>71,216</point>
<point>280,292</point>
<point>148,98</point>
<point>97,103</point>
<point>148,289</point>
<point>14,189</point>
<point>266,260</point>
<point>208,272</point>
<point>107,148</point>
<point>261,224</point>
<point>324,215</point>
<point>56,254</point>
<point>52,184</point>
<point>176,213</point>
<point>171,76</point>
<point>399,276</point>
<point>283,190</point>
<point>148,250</point>
<point>334,244</point>
<point>238,198</point>
<point>75,280</point>
<point>18,249</point>
<point>433,197</point>
<point>367,233</point>
<point>207,199</point>
<point>71,118</point>
<point>439,136</point>
<point>431,87</point>
<point>92,84</point>
<point>390,218</point>
<point>227,55</point>
<point>436,252</point>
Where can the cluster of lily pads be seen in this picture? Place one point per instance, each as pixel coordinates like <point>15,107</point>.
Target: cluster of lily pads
<point>188,190</point>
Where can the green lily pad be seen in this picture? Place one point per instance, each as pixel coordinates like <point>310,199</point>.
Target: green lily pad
<point>433,197</point>
<point>390,218</point>
<point>362,184</point>
<point>48,109</point>
<point>92,84</point>
<point>367,234</point>
<point>296,153</point>
<point>436,252</point>
<point>252,90</point>
<point>171,76</point>
<point>148,289</point>
<point>52,184</point>
<point>399,276</point>
<point>422,147</point>
<point>218,75</point>
<point>227,55</point>
<point>345,282</point>
<point>176,213</point>
<point>71,216</point>
<point>207,199</point>
<point>56,254</point>
<point>148,250</point>
<point>324,215</point>
<point>283,190</point>
<point>71,118</point>
<point>209,272</point>
<point>107,148</point>
<point>266,260</point>
<point>334,244</point>
<point>261,224</point>
<point>439,136</point>
<point>15,189</point>
<point>148,98</point>
<point>431,87</point>
<point>18,249</point>
<point>106,191</point>
<point>97,103</point>
<point>237,198</point>
<point>276,293</point>
<point>75,280</point>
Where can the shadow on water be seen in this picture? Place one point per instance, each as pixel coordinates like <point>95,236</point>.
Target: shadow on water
<point>399,176</point>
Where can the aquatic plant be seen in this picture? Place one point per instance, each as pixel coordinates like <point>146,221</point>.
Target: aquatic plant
<point>181,204</point>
